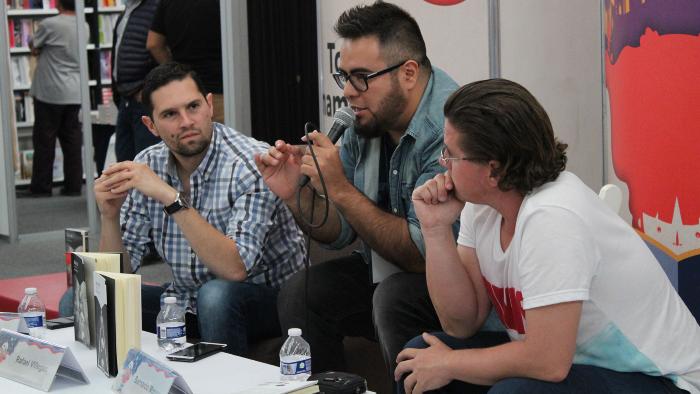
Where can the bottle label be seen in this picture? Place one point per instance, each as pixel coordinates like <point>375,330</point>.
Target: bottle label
<point>174,332</point>
<point>34,321</point>
<point>295,367</point>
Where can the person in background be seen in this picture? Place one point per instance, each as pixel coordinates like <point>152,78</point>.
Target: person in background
<point>393,146</point>
<point>131,61</point>
<point>587,307</point>
<point>189,32</point>
<point>198,196</point>
<point>56,92</point>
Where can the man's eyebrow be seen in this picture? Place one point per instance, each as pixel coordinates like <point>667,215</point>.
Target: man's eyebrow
<point>197,100</point>
<point>356,70</point>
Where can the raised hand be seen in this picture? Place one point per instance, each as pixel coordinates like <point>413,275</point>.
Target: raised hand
<point>280,168</point>
<point>124,176</point>
<point>435,202</point>
<point>109,203</point>
<point>329,162</point>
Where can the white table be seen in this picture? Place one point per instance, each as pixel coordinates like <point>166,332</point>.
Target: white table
<point>220,373</point>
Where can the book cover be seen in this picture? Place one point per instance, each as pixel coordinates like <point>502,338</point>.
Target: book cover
<point>101,324</point>
<point>118,328</point>
<point>76,241</point>
<point>83,266</point>
<point>104,325</point>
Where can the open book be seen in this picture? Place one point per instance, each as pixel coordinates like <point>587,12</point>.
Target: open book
<point>83,265</point>
<point>117,318</point>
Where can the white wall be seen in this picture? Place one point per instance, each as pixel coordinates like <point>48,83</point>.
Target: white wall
<point>553,48</point>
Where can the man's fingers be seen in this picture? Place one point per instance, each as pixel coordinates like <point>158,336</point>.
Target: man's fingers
<point>449,184</point>
<point>406,354</point>
<point>440,188</point>
<point>402,368</point>
<point>320,139</point>
<point>409,383</point>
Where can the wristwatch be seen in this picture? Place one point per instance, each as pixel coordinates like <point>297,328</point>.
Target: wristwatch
<point>180,203</point>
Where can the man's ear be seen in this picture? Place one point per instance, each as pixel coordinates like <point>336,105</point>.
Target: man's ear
<point>495,172</point>
<point>148,122</point>
<point>409,77</point>
<point>210,102</point>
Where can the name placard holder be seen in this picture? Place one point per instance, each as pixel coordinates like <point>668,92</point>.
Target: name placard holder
<point>36,362</point>
<point>10,321</point>
<point>143,374</point>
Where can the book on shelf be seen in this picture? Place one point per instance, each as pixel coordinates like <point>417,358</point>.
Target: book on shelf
<point>21,77</point>
<point>117,318</point>
<point>106,65</point>
<point>24,107</point>
<point>26,158</point>
<point>83,266</point>
<point>105,27</point>
<point>20,110</point>
<point>112,3</point>
<point>107,97</point>
<point>31,4</point>
<point>21,31</point>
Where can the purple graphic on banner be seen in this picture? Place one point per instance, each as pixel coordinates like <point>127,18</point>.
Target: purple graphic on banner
<point>626,21</point>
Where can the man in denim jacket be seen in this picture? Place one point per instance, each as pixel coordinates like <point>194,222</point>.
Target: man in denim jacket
<point>393,147</point>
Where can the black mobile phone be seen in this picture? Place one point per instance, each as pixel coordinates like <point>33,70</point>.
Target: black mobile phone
<point>59,322</point>
<point>196,352</point>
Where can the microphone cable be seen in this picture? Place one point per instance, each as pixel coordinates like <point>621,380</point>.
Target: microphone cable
<point>309,128</point>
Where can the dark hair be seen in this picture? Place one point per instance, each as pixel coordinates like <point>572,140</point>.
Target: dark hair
<point>163,75</point>
<point>68,5</point>
<point>500,120</point>
<point>397,32</point>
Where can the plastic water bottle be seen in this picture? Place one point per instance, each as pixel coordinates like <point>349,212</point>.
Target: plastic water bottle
<point>170,325</point>
<point>32,310</point>
<point>295,357</point>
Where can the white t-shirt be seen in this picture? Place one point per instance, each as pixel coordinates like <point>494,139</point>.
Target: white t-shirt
<point>569,246</point>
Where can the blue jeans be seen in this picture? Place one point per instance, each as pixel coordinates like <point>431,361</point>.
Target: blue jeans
<point>234,313</point>
<point>132,135</point>
<point>581,378</point>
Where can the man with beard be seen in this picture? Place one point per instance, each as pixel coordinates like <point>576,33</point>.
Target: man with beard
<point>393,147</point>
<point>199,198</point>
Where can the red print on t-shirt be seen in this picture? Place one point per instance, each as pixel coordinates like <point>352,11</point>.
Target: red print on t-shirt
<point>509,306</point>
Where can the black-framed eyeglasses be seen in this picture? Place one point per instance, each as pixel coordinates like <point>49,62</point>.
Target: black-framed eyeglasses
<point>359,80</point>
<point>447,160</point>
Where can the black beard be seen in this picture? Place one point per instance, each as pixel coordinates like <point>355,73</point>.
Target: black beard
<point>188,151</point>
<point>392,107</point>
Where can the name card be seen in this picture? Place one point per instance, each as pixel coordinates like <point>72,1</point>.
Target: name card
<point>9,321</point>
<point>144,374</point>
<point>36,362</point>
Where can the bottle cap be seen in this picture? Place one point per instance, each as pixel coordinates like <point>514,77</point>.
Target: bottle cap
<point>294,332</point>
<point>170,300</point>
<point>30,290</point>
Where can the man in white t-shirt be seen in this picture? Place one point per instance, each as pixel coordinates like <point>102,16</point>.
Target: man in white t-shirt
<point>586,306</point>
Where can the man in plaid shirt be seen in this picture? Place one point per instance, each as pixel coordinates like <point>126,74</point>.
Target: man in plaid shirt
<point>199,197</point>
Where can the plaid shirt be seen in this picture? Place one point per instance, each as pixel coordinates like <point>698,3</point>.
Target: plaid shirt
<point>228,191</point>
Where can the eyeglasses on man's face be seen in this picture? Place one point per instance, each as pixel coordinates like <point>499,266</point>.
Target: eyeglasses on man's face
<point>446,160</point>
<point>359,80</point>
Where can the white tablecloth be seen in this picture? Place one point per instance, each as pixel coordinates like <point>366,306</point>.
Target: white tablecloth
<point>220,373</point>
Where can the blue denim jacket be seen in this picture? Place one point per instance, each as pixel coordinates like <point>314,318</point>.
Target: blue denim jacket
<point>414,161</point>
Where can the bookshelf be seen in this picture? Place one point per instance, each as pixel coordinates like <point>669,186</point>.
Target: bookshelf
<point>23,17</point>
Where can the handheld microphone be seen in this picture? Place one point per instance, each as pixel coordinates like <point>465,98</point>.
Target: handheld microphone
<point>343,118</point>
